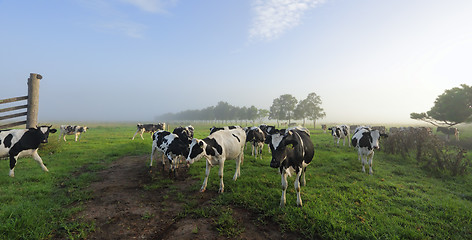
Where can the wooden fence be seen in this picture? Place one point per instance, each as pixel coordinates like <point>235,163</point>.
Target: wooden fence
<point>31,106</point>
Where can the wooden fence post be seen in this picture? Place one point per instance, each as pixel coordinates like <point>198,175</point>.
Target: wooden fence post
<point>33,100</point>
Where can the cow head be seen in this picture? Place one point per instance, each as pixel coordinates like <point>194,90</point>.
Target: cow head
<point>43,132</point>
<point>277,147</point>
<point>197,150</point>
<point>375,138</point>
<point>335,131</point>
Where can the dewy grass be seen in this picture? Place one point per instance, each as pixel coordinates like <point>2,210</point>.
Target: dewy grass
<point>400,200</point>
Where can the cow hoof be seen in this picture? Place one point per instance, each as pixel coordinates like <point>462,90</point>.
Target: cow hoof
<point>202,190</point>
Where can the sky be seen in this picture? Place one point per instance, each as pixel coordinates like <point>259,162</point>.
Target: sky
<point>370,61</point>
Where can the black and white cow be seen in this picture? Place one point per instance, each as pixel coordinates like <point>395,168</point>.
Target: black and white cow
<point>292,151</point>
<point>324,127</point>
<point>23,142</point>
<point>150,128</point>
<point>340,132</point>
<point>366,140</point>
<point>71,130</point>
<point>256,137</point>
<point>449,131</point>
<point>220,146</point>
<point>171,146</point>
<point>185,133</point>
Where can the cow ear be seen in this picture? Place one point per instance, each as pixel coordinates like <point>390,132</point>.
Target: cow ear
<point>52,130</point>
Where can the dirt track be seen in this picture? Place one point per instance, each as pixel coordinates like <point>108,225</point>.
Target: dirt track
<point>123,209</point>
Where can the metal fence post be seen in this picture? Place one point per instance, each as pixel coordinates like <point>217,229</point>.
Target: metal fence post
<point>33,100</point>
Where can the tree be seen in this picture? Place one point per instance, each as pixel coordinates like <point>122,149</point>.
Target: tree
<point>283,107</point>
<point>252,114</point>
<point>262,113</point>
<point>452,107</point>
<point>310,108</point>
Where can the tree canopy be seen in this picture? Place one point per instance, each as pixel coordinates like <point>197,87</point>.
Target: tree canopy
<point>452,107</point>
<point>284,107</point>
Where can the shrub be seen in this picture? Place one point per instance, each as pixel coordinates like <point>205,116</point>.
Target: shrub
<point>431,153</point>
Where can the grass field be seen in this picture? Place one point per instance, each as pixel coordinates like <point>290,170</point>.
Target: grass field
<point>400,201</point>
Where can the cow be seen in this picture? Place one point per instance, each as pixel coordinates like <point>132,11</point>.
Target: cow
<point>324,127</point>
<point>17,143</point>
<point>172,146</point>
<point>257,138</point>
<point>150,128</point>
<point>449,131</point>
<point>366,140</point>
<point>292,151</point>
<point>71,130</point>
<point>340,132</point>
<point>218,147</point>
<point>185,133</point>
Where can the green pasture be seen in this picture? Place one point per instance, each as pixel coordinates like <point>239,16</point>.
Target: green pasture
<point>400,201</point>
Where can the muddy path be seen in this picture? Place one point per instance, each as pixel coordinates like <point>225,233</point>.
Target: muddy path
<point>125,205</point>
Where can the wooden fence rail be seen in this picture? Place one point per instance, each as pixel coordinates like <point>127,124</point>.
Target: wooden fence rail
<point>31,106</point>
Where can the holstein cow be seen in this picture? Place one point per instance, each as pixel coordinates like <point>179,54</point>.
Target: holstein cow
<point>150,128</point>
<point>71,130</point>
<point>171,146</point>
<point>220,146</point>
<point>340,132</point>
<point>449,131</point>
<point>292,151</point>
<point>185,133</point>
<point>23,142</point>
<point>366,140</point>
<point>324,127</point>
<point>257,138</point>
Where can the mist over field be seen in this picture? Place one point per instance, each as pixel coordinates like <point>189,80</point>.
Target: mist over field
<point>132,61</point>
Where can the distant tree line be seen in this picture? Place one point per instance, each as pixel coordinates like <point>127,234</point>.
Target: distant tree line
<point>284,108</point>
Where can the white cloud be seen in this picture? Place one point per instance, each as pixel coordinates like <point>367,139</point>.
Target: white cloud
<point>273,17</point>
<point>152,6</point>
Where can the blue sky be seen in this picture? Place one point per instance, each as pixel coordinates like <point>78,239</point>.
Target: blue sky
<point>131,60</point>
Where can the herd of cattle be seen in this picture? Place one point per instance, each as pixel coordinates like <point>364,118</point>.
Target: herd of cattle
<point>292,149</point>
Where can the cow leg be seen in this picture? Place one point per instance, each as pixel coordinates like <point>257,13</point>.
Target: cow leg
<point>364,161</point>
<point>220,174</point>
<point>38,159</point>
<point>152,155</point>
<point>284,188</point>
<point>136,133</point>
<point>207,173</point>
<point>238,167</point>
<point>65,137</point>
<point>13,159</point>
<point>163,160</point>
<point>297,186</point>
<point>172,168</point>
<point>141,134</point>
<point>302,179</point>
<point>371,161</point>
<point>76,135</point>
